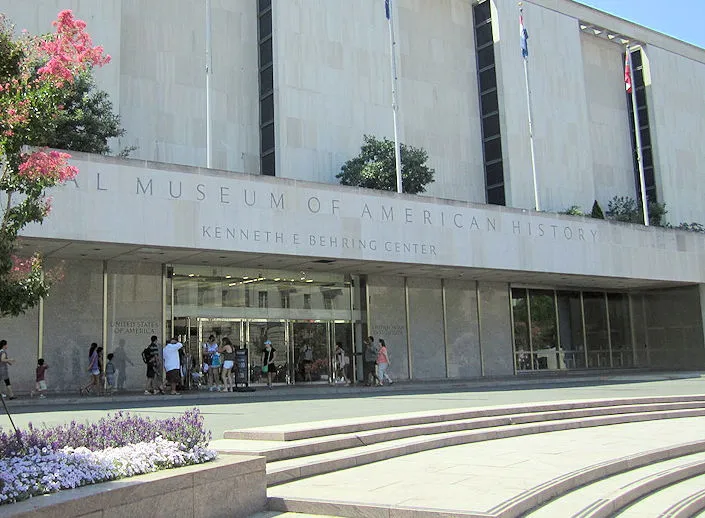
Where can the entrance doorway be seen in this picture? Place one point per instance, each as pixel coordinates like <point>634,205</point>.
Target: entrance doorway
<point>305,349</point>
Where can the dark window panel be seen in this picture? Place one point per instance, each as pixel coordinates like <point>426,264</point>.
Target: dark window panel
<point>267,141</point>
<point>649,178</point>
<point>265,25</point>
<point>485,56</point>
<point>266,80</point>
<point>493,149</point>
<point>495,196</point>
<point>636,59</point>
<point>266,109</point>
<point>489,102</point>
<point>490,126</point>
<point>645,137</point>
<point>640,96</point>
<point>483,34</point>
<point>648,158</point>
<point>264,4</point>
<point>494,173</point>
<point>488,79</point>
<point>267,164</point>
<point>482,12</point>
<point>265,53</point>
<point>638,79</point>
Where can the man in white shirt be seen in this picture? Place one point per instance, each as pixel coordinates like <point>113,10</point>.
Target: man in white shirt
<point>172,363</point>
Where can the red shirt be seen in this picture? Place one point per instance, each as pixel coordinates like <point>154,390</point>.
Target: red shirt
<point>41,369</point>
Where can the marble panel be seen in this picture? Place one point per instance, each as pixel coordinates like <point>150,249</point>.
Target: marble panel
<point>496,329</point>
<point>388,320</point>
<point>463,330</point>
<point>426,328</point>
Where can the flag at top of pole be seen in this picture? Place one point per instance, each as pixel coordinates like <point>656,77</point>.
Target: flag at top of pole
<point>524,36</point>
<point>627,73</point>
<point>386,9</point>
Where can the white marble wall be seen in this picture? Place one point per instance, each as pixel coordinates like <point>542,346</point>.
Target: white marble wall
<point>564,157</point>
<point>495,329</point>
<point>387,320</point>
<point>333,86</point>
<point>676,114</point>
<point>463,337</point>
<point>608,112</point>
<point>428,359</point>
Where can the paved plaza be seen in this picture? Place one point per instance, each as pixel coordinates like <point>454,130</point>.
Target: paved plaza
<point>467,479</point>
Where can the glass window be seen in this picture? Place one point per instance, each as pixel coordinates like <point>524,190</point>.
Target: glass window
<point>488,79</point>
<point>264,4</point>
<point>266,80</point>
<point>265,25</point>
<point>483,34</point>
<point>262,299</point>
<point>570,325</point>
<point>544,340</point>
<point>490,125</point>
<point>520,312</point>
<point>267,164</point>
<point>267,137</point>
<point>596,330</point>
<point>307,301</point>
<point>482,12</point>
<point>266,109</point>
<point>489,102</point>
<point>494,173</point>
<point>265,53</point>
<point>493,149</point>
<point>620,330</point>
<point>495,195</point>
<point>485,56</point>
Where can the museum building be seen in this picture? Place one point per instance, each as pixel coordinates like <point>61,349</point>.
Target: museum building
<point>228,218</point>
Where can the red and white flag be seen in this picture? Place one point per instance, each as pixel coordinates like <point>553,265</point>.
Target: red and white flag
<point>627,73</point>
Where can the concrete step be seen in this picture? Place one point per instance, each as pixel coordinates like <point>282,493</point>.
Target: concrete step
<point>614,495</point>
<point>299,431</point>
<point>681,500</point>
<point>544,492</point>
<point>275,450</point>
<point>283,471</point>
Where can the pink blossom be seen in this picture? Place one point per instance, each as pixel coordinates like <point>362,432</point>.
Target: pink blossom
<point>70,50</point>
<point>51,167</point>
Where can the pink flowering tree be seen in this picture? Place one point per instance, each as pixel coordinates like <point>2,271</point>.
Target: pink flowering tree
<point>33,71</point>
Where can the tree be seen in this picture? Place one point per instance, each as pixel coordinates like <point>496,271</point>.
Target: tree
<point>596,212</point>
<point>34,72</point>
<point>87,120</point>
<point>375,167</point>
<point>626,209</point>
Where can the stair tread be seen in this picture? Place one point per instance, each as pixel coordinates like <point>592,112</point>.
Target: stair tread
<point>658,502</point>
<point>580,498</point>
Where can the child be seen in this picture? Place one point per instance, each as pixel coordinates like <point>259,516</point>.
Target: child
<point>110,373</point>
<point>40,380</point>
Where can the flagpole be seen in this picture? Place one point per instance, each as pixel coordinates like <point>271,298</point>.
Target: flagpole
<point>530,119</point>
<point>395,102</point>
<point>209,115</point>
<point>637,134</point>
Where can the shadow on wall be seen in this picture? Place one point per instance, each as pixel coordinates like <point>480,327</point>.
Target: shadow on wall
<point>121,360</point>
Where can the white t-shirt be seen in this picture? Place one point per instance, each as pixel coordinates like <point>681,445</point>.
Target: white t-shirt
<point>171,356</point>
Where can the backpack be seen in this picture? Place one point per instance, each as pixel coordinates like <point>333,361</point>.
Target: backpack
<point>146,355</point>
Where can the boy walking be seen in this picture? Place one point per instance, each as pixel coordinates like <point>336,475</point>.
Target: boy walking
<point>110,372</point>
<point>40,384</point>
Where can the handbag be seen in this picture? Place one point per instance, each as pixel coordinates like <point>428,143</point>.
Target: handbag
<point>265,369</point>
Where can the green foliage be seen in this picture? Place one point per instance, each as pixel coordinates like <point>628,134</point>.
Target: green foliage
<point>626,209</point>
<point>692,227</point>
<point>87,120</point>
<point>573,210</point>
<point>375,167</point>
<point>596,212</point>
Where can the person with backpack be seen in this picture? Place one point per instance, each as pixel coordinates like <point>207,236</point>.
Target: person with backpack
<point>150,356</point>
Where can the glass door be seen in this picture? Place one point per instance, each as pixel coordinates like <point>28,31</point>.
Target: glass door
<point>311,351</point>
<point>258,331</point>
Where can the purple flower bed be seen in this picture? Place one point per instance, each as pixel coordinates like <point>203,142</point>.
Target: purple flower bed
<point>44,460</point>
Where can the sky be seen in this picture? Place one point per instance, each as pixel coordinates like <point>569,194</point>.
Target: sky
<point>682,19</point>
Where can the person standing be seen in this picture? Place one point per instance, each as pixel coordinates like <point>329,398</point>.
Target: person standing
<point>228,364</point>
<point>269,354</point>
<point>172,364</point>
<point>110,374</point>
<point>151,357</point>
<point>94,368</point>
<point>370,362</point>
<point>307,356</point>
<point>341,363</point>
<point>211,355</point>
<point>5,362</point>
<point>40,384</point>
<point>383,363</point>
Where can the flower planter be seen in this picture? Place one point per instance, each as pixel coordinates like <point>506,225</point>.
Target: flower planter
<point>232,485</point>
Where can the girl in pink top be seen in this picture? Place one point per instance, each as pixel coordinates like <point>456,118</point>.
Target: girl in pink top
<point>383,363</point>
